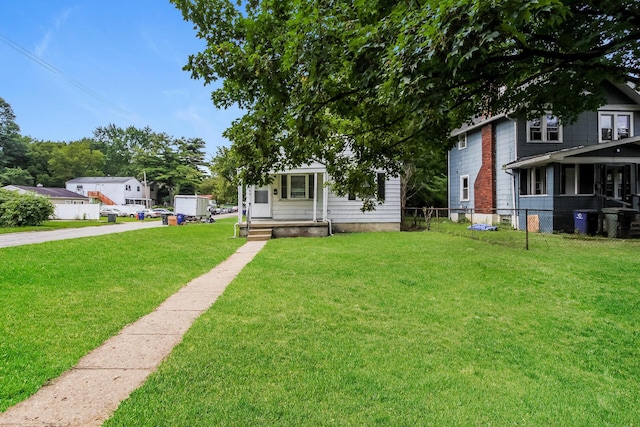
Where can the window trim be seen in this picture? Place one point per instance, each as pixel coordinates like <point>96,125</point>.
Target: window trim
<point>614,114</point>
<point>544,131</point>
<point>531,181</point>
<point>285,186</point>
<point>462,141</point>
<point>463,188</point>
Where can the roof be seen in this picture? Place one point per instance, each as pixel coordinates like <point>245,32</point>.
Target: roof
<point>56,193</point>
<point>559,156</point>
<point>100,180</point>
<point>477,122</point>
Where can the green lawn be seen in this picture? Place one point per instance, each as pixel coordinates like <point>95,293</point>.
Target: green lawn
<point>410,329</point>
<point>59,300</point>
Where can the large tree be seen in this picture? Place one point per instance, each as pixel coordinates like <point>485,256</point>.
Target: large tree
<point>361,85</point>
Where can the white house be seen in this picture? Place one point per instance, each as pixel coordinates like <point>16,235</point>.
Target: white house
<point>111,190</point>
<point>298,203</point>
<point>66,204</point>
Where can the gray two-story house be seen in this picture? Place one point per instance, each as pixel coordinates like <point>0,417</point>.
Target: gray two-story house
<point>502,166</point>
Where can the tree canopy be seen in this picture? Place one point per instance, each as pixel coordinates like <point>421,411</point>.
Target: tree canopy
<point>363,85</point>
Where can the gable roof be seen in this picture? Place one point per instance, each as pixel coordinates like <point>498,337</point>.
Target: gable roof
<point>56,193</point>
<point>100,180</point>
<point>608,150</point>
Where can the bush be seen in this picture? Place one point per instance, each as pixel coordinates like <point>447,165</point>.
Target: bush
<point>17,210</point>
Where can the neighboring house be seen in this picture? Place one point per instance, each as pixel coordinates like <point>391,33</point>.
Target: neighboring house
<point>298,202</point>
<point>111,190</point>
<point>67,204</point>
<point>502,166</point>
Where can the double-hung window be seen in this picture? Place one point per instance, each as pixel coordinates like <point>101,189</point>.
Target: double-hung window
<point>533,181</point>
<point>462,141</point>
<point>464,188</point>
<point>615,125</point>
<point>296,186</point>
<point>544,129</point>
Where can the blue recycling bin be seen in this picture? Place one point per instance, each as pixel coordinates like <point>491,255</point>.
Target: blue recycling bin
<point>140,215</point>
<point>585,221</point>
<point>180,219</point>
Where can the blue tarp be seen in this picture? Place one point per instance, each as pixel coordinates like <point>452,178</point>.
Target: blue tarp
<point>482,227</point>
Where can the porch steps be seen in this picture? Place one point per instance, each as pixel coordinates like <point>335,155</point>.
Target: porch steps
<point>634,231</point>
<point>260,234</point>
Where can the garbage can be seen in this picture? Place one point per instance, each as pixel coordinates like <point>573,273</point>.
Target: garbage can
<point>617,221</point>
<point>585,221</point>
<point>140,216</point>
<point>111,217</point>
<point>165,219</point>
<point>180,219</point>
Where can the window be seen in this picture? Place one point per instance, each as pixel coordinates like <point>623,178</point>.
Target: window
<point>381,185</point>
<point>615,126</point>
<point>79,188</point>
<point>381,180</point>
<point>577,179</point>
<point>544,129</point>
<point>127,187</point>
<point>464,188</point>
<point>462,141</point>
<point>138,188</point>
<point>533,181</point>
<point>296,186</point>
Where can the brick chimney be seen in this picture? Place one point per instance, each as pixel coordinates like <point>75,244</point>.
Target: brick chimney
<point>484,187</point>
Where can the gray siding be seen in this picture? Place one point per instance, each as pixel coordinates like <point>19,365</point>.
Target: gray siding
<point>505,153</point>
<point>464,162</point>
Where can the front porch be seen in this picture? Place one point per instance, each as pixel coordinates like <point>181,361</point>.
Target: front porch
<point>267,229</point>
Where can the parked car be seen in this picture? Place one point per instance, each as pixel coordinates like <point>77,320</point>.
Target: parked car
<point>148,213</point>
<point>162,211</point>
<point>107,211</point>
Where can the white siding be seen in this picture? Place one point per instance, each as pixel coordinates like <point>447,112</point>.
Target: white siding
<point>342,210</point>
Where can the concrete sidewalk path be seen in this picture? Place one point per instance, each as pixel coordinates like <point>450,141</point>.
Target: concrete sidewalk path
<point>90,392</point>
<point>30,237</point>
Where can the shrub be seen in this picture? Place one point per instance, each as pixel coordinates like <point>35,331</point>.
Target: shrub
<point>17,210</point>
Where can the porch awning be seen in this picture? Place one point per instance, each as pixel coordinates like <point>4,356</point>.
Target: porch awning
<point>608,152</point>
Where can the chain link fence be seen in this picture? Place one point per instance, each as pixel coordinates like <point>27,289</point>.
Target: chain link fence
<point>524,228</point>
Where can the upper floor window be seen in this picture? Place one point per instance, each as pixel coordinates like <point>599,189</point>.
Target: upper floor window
<point>127,187</point>
<point>615,126</point>
<point>544,129</point>
<point>462,141</point>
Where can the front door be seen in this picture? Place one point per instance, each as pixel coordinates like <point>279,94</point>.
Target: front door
<point>262,202</point>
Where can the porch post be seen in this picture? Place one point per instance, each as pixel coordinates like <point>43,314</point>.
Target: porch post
<point>325,197</point>
<point>315,196</point>
<point>240,203</point>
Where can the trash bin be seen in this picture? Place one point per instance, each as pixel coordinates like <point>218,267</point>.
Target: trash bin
<point>165,219</point>
<point>111,217</point>
<point>585,221</point>
<point>617,221</point>
<point>140,216</point>
<point>180,219</point>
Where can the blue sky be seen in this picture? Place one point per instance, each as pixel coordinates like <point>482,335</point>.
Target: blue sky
<point>69,66</point>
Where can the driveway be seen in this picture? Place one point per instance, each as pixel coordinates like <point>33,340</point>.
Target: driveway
<point>31,237</point>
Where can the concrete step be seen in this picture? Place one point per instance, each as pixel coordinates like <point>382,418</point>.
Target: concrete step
<point>260,234</point>
<point>634,231</point>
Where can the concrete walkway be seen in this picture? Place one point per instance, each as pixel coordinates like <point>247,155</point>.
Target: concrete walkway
<point>30,237</point>
<point>90,392</point>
